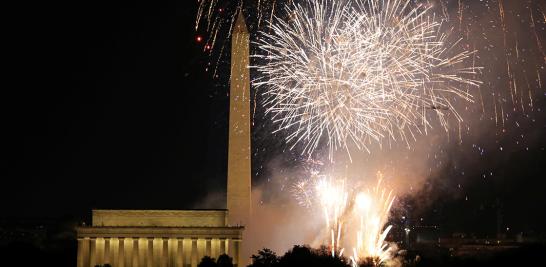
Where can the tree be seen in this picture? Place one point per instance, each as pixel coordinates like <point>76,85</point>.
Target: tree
<point>207,262</point>
<point>305,256</point>
<point>265,258</point>
<point>224,261</point>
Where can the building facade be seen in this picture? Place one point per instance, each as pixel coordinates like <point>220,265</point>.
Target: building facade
<point>162,238</point>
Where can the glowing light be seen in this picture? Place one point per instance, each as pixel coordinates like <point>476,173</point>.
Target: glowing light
<point>363,201</point>
<point>371,245</point>
<point>333,196</point>
<point>354,217</point>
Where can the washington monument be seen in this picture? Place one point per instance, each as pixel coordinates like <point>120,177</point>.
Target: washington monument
<point>239,159</point>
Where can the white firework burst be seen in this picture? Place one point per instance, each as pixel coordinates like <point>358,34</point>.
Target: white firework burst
<point>359,72</point>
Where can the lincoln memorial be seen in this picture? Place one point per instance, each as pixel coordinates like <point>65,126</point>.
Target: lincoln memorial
<point>133,238</point>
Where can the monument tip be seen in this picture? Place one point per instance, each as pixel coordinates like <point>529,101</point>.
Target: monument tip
<point>240,24</point>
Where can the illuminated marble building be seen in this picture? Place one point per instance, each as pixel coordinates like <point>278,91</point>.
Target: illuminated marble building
<point>180,238</point>
<point>124,238</point>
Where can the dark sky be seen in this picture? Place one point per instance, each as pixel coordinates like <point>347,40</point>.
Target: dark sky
<point>109,105</point>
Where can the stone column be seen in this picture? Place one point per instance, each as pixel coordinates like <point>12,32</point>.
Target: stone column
<point>107,257</point>
<point>180,252</point>
<point>80,253</point>
<point>214,248</point>
<point>150,252</point>
<point>157,252</point>
<point>165,252</point>
<point>92,252</point>
<point>194,254</point>
<point>200,249</point>
<point>128,244</point>
<point>208,245</point>
<point>135,252</point>
<point>173,248</point>
<point>142,251</point>
<point>114,251</point>
<point>236,253</point>
<point>121,253</point>
<point>85,251</point>
<point>99,250</point>
<point>187,251</point>
<point>223,246</point>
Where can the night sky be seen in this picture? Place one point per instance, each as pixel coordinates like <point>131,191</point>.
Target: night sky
<point>110,107</point>
<point>114,105</point>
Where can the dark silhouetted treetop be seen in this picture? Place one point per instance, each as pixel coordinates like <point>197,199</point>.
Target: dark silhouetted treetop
<point>207,262</point>
<point>305,256</point>
<point>224,261</point>
<point>265,258</point>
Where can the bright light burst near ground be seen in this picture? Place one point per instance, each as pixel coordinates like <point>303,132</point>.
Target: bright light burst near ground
<point>360,72</point>
<point>354,216</point>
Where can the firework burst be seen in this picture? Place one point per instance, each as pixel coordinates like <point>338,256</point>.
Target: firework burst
<point>354,217</point>
<point>333,199</point>
<point>359,72</point>
<point>372,209</point>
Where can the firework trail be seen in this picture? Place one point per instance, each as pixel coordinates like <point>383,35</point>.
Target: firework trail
<point>216,19</point>
<point>358,72</point>
<point>333,197</point>
<point>372,208</point>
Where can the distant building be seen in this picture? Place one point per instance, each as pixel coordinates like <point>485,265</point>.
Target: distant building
<point>180,238</point>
